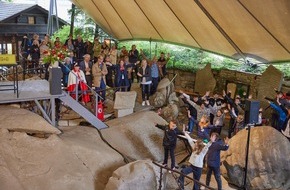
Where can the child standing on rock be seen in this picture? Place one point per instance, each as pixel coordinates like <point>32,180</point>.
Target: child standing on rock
<point>169,141</point>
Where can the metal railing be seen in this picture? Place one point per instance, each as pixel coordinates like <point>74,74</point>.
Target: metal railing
<point>173,172</point>
<point>96,96</point>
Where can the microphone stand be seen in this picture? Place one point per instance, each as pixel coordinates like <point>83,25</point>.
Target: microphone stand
<point>248,127</point>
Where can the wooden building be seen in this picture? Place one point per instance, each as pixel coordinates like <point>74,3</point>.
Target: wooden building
<point>17,20</point>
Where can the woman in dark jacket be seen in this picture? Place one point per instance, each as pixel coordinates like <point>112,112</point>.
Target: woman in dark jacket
<point>144,73</point>
<point>121,78</point>
<point>169,141</point>
<point>35,54</point>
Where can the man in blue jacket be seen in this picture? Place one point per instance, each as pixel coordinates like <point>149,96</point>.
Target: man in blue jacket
<point>213,158</point>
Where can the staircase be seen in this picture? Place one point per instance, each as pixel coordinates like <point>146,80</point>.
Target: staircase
<point>82,111</point>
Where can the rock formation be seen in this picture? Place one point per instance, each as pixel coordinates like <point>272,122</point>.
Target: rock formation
<point>205,80</point>
<point>170,112</point>
<point>27,121</point>
<point>77,158</point>
<point>269,163</point>
<point>139,175</point>
<point>164,89</point>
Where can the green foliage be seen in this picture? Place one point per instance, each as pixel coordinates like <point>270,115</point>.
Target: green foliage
<point>191,60</point>
<point>64,32</point>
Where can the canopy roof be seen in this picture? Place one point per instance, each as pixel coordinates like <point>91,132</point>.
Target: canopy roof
<point>235,28</point>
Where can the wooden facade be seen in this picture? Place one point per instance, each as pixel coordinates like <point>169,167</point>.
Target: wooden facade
<point>32,20</point>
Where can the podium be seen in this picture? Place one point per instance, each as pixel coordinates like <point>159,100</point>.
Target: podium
<point>54,80</point>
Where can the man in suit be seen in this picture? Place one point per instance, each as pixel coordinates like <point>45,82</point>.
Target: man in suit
<point>86,67</point>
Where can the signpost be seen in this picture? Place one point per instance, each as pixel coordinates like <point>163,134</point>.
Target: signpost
<point>10,60</point>
<point>7,59</point>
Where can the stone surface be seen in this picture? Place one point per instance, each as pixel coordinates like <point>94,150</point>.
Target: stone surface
<point>205,80</point>
<point>26,121</point>
<point>165,93</point>
<point>139,175</point>
<point>125,100</point>
<point>123,112</point>
<point>144,175</point>
<point>136,135</point>
<point>269,164</point>
<point>78,159</point>
<point>271,79</point>
<point>172,98</point>
<point>159,99</point>
<point>170,112</point>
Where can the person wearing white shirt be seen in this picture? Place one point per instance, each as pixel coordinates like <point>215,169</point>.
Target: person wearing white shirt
<point>199,150</point>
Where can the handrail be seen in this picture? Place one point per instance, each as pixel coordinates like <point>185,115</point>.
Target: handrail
<point>174,171</point>
<point>96,95</point>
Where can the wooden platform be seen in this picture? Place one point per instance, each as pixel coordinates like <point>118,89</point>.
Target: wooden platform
<point>28,91</point>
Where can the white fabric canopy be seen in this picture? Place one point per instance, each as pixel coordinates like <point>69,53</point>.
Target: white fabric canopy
<point>235,28</point>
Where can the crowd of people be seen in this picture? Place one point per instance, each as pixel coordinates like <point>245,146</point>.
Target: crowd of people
<point>102,65</point>
<point>206,115</point>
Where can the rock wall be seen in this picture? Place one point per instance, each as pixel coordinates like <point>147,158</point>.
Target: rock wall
<point>186,80</point>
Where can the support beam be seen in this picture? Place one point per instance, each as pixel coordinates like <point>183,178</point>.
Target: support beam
<point>43,111</point>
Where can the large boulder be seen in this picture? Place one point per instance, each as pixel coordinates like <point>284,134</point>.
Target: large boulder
<point>78,159</point>
<point>170,112</point>
<point>159,99</point>
<point>269,163</point>
<point>22,120</point>
<point>136,135</point>
<point>138,175</point>
<point>164,89</point>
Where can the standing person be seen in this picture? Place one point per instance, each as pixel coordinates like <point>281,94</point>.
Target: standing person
<point>199,150</point>
<point>154,71</point>
<point>121,77</point>
<point>72,59</point>
<point>162,61</point>
<point>35,54</point>
<point>88,48</point>
<point>234,109</point>
<point>110,69</point>
<point>133,58</point>
<point>104,48</point>
<point>144,73</point>
<point>169,141</point>
<point>69,38</point>
<point>123,52</point>
<point>154,74</point>
<point>129,70</point>
<point>213,158</point>
<point>70,45</point>
<point>44,48</point>
<point>25,46</point>
<point>99,73</point>
<point>218,120</point>
<point>113,54</point>
<point>97,48</point>
<point>192,117</point>
<point>86,67</point>
<point>79,48</point>
<point>65,68</point>
<point>77,79</point>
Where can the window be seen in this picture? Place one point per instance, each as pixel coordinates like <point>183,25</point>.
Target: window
<point>31,20</point>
